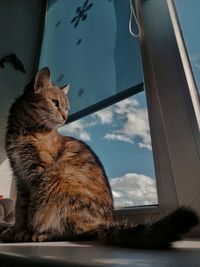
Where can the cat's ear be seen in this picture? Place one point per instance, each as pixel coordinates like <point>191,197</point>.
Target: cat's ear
<point>42,79</point>
<point>65,88</point>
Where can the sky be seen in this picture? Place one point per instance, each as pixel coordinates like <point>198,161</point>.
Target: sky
<point>120,136</point>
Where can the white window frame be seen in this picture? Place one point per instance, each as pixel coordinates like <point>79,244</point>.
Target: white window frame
<point>173,113</point>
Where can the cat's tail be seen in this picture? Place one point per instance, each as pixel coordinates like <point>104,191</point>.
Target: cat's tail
<point>151,236</point>
<point>158,235</point>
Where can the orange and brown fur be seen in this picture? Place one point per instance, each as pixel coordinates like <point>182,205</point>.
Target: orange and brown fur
<point>62,189</point>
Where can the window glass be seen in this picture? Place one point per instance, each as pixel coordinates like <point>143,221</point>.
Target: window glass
<point>88,45</point>
<point>119,135</point>
<point>188,15</point>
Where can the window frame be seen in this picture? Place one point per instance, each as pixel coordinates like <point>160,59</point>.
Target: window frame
<point>175,130</point>
<point>107,102</point>
<point>158,43</point>
<point>176,73</point>
<point>163,172</point>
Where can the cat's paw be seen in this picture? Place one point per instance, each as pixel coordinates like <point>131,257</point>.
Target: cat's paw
<point>41,237</point>
<point>23,235</point>
<point>13,235</point>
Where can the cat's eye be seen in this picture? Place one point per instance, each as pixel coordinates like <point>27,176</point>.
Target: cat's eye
<point>55,103</point>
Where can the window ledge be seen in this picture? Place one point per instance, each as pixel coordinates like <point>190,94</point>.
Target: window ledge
<point>184,253</point>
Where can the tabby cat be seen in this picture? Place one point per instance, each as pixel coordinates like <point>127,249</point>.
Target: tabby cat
<point>62,189</point>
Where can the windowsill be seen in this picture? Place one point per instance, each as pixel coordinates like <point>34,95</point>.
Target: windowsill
<point>184,253</point>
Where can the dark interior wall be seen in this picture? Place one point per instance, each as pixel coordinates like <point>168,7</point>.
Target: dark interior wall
<point>21,24</point>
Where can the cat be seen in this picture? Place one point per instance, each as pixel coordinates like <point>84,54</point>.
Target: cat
<point>63,192</point>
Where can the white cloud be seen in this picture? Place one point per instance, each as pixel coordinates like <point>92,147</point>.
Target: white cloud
<point>133,189</point>
<point>80,128</point>
<point>135,123</point>
<point>124,106</point>
<point>118,137</point>
<point>128,123</point>
<point>5,178</point>
<point>77,129</point>
<point>147,145</point>
<point>105,115</point>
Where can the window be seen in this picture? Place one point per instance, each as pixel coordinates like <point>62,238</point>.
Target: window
<point>173,120</point>
<point>170,75</point>
<point>88,44</point>
<point>174,128</point>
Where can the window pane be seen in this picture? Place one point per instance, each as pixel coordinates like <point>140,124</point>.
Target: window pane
<point>88,44</point>
<point>188,15</point>
<point>120,136</point>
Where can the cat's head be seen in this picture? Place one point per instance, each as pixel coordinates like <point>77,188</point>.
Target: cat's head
<point>49,102</point>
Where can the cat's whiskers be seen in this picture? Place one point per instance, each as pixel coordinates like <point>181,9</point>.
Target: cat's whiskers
<point>41,123</point>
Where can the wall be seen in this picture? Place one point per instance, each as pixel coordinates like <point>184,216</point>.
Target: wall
<point>20,31</point>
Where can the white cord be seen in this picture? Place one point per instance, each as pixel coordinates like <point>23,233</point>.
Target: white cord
<point>132,13</point>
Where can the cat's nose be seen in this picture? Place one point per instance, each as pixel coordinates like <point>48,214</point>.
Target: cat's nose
<point>64,116</point>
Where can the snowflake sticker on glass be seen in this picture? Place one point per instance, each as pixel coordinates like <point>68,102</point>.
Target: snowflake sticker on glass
<point>81,13</point>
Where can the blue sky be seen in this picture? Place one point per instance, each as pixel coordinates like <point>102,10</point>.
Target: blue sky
<point>124,151</point>
<point>120,136</point>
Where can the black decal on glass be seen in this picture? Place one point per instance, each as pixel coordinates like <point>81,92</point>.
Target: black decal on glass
<point>81,13</point>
